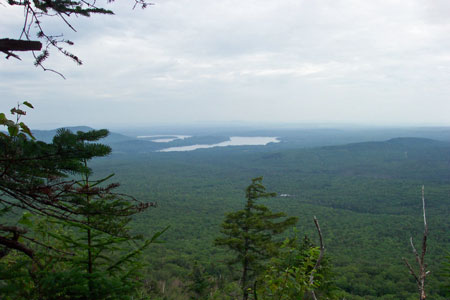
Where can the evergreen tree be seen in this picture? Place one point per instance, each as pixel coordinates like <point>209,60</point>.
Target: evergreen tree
<point>105,251</point>
<point>72,241</point>
<point>200,283</point>
<point>249,234</point>
<point>38,177</point>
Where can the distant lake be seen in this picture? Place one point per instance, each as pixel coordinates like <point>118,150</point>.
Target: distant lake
<point>234,141</point>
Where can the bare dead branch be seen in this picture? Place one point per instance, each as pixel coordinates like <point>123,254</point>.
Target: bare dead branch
<point>13,229</point>
<point>12,243</point>
<point>10,54</point>
<point>67,22</point>
<point>11,240</point>
<point>421,276</point>
<point>425,225</point>
<point>50,70</point>
<point>414,250</point>
<point>47,246</point>
<point>322,252</point>
<point>411,270</point>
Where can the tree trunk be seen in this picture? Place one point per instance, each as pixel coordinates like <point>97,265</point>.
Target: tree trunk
<point>244,271</point>
<point>244,280</point>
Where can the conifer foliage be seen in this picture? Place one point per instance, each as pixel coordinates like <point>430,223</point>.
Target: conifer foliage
<point>249,234</point>
<point>73,240</point>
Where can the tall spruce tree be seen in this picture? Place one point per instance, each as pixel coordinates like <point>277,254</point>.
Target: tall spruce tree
<point>104,250</point>
<point>38,177</point>
<point>249,234</point>
<point>83,248</point>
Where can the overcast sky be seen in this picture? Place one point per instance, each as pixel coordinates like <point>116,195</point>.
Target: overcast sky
<point>179,61</point>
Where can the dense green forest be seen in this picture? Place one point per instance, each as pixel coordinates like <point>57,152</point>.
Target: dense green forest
<point>366,195</point>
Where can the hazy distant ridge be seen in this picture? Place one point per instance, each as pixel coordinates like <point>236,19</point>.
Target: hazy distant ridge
<point>349,139</point>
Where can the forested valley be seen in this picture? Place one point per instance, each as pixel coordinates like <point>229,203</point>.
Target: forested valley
<point>366,196</point>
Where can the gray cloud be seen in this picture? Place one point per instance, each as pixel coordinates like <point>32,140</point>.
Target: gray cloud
<point>383,62</point>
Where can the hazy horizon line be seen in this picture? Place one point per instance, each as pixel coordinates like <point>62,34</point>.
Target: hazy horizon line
<point>242,125</point>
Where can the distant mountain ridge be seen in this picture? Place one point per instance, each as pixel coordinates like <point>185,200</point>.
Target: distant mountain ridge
<point>394,143</point>
<point>415,141</point>
<point>124,144</point>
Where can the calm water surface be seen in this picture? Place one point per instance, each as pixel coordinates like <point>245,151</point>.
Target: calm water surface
<point>234,141</point>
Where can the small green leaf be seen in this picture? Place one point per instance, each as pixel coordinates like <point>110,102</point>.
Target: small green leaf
<point>3,119</point>
<point>13,130</point>
<point>26,130</point>
<point>28,104</point>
